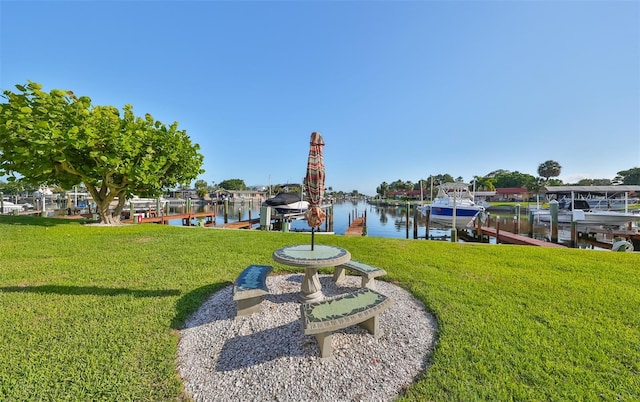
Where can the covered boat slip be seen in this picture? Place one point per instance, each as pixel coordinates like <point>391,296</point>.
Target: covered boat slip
<point>603,197</point>
<point>593,189</point>
<point>573,206</point>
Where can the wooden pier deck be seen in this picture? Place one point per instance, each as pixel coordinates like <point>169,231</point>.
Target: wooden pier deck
<point>241,224</point>
<point>185,217</point>
<point>506,237</point>
<point>356,227</point>
<point>591,237</point>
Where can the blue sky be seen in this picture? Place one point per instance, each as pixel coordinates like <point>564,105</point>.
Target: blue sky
<point>398,89</point>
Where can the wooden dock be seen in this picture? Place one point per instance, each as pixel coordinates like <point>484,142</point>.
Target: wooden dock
<point>511,238</point>
<point>591,237</point>
<point>356,227</point>
<point>248,224</point>
<point>506,237</point>
<point>186,218</point>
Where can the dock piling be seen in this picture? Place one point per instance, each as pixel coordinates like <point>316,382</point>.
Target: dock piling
<point>553,208</point>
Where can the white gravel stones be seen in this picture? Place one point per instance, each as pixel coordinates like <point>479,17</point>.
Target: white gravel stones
<point>265,356</point>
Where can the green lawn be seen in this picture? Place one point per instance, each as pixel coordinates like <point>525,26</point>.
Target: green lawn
<point>91,313</point>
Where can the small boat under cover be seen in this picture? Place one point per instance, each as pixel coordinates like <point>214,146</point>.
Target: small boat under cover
<point>287,203</point>
<point>579,211</point>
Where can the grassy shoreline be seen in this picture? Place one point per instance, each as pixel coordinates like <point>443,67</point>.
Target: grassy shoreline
<point>92,313</point>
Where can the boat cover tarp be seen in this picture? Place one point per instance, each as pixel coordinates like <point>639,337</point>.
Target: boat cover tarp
<point>283,199</point>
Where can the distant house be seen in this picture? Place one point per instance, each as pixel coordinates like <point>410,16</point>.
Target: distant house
<point>238,195</point>
<point>183,193</point>
<point>512,194</point>
<point>248,194</point>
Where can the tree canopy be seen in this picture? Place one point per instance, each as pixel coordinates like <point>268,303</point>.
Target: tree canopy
<point>515,179</point>
<point>594,182</point>
<point>502,178</point>
<point>630,176</point>
<point>549,169</point>
<point>404,185</point>
<point>59,138</point>
<point>483,183</point>
<point>202,188</point>
<point>15,187</point>
<point>233,184</point>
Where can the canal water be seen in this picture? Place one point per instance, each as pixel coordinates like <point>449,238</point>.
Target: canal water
<point>389,221</point>
<point>385,221</point>
<point>382,221</point>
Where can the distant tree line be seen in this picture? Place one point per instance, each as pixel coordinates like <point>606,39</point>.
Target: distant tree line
<point>502,178</point>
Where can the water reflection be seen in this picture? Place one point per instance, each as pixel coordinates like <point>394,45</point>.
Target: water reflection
<point>382,221</point>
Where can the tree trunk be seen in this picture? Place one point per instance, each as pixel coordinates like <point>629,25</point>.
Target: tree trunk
<point>109,219</point>
<point>104,211</point>
<point>121,203</point>
<point>103,203</point>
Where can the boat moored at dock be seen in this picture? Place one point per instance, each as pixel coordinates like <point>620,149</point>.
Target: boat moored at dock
<point>574,206</point>
<point>287,203</point>
<point>453,206</point>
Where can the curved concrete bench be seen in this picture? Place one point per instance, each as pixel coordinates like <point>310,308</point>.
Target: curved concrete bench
<point>360,307</point>
<point>250,288</point>
<point>367,272</point>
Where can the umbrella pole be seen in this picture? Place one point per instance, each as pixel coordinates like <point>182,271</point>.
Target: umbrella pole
<point>312,234</point>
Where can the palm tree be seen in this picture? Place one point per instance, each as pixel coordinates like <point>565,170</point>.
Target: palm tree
<point>483,183</point>
<point>549,169</point>
<point>383,189</point>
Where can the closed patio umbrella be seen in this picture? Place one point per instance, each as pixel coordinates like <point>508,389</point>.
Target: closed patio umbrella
<point>314,184</point>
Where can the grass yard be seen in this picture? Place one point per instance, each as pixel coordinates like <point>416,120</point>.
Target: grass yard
<point>92,313</point>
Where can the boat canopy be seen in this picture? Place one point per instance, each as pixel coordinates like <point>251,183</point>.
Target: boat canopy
<point>459,189</point>
<point>592,189</point>
<point>456,186</point>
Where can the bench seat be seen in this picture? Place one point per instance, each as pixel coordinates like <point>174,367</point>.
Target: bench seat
<point>367,272</point>
<point>250,288</point>
<point>360,307</point>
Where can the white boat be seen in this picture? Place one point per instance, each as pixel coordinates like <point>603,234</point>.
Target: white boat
<point>580,212</point>
<point>454,205</point>
<point>287,203</point>
<point>292,208</point>
<point>9,207</point>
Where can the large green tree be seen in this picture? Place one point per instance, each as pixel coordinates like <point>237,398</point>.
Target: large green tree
<point>440,179</point>
<point>401,185</point>
<point>514,179</point>
<point>630,177</point>
<point>59,138</point>
<point>233,184</point>
<point>483,183</point>
<point>549,169</point>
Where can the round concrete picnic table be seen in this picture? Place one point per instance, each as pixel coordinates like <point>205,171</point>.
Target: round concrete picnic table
<point>303,257</point>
